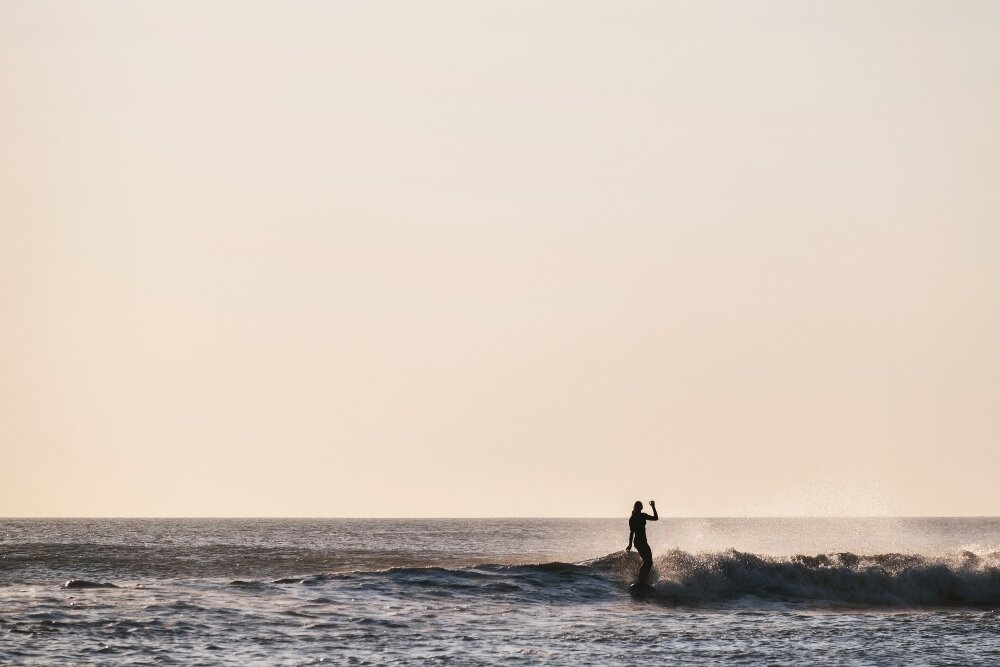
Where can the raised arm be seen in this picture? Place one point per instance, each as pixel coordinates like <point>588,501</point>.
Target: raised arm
<point>655,517</point>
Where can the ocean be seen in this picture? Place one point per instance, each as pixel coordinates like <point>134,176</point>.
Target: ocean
<point>858,591</point>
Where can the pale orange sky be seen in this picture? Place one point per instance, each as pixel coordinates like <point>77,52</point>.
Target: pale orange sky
<point>499,258</point>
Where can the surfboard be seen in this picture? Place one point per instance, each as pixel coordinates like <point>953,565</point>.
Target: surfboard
<point>640,589</point>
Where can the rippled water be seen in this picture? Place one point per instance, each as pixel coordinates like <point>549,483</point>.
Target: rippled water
<point>298,592</point>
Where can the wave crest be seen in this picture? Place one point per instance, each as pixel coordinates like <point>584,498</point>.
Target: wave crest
<point>962,579</point>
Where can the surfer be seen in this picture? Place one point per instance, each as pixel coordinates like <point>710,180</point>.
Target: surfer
<point>637,533</point>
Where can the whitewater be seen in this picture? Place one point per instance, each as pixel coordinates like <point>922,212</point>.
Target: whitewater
<point>498,591</point>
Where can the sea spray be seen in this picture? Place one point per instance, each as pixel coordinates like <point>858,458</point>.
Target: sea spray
<point>960,579</point>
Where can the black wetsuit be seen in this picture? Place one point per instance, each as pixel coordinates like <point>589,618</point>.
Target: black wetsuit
<point>637,525</point>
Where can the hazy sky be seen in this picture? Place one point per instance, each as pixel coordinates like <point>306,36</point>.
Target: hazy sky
<point>499,258</point>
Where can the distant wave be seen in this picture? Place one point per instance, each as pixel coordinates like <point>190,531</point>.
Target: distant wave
<point>83,583</point>
<point>38,561</point>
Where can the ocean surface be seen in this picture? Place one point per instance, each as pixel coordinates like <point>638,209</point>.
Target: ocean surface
<point>917,591</point>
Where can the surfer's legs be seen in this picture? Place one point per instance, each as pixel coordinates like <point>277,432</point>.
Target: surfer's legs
<point>647,560</point>
<point>645,552</point>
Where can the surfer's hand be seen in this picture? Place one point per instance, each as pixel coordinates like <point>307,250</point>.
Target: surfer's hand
<point>652,503</point>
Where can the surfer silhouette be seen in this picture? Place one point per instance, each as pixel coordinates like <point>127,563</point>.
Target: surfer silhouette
<point>637,534</point>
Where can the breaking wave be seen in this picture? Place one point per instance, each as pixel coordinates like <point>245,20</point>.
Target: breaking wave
<point>962,579</point>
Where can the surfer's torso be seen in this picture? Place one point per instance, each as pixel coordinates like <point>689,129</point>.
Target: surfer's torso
<point>637,525</point>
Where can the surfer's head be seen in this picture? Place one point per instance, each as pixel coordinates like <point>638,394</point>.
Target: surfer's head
<point>637,507</point>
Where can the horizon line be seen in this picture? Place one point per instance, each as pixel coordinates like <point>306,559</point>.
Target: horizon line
<point>511,517</point>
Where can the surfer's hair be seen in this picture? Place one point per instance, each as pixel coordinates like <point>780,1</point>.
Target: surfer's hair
<point>637,506</point>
